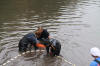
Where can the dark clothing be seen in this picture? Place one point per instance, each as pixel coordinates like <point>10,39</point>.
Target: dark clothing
<point>53,46</point>
<point>44,34</point>
<point>29,38</point>
<point>44,37</point>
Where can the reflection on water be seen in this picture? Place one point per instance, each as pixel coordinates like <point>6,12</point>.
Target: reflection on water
<point>74,22</point>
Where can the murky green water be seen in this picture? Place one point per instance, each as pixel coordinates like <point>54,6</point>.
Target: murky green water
<point>75,23</point>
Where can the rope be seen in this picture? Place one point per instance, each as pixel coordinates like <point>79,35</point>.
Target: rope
<point>66,60</point>
<point>12,59</point>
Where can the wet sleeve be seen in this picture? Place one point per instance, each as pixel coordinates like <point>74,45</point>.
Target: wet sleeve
<point>33,40</point>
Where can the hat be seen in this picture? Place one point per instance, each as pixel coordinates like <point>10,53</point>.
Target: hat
<point>95,51</point>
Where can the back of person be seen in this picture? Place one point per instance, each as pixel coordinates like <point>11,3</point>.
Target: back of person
<point>26,40</point>
<point>55,47</point>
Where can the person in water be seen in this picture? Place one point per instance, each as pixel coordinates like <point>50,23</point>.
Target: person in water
<point>95,53</point>
<point>43,36</point>
<point>53,46</point>
<point>30,39</point>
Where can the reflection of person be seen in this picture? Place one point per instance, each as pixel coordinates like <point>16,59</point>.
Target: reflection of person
<point>95,53</point>
<point>28,39</point>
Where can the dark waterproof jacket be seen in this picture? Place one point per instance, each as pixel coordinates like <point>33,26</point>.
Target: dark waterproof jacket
<point>52,46</point>
<point>55,47</point>
<point>29,38</point>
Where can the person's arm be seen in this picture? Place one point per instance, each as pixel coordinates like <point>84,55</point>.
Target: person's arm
<point>34,42</point>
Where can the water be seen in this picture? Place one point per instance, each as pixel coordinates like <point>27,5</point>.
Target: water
<point>75,23</point>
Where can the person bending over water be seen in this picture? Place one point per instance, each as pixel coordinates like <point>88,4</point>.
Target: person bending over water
<point>30,39</point>
<point>53,46</point>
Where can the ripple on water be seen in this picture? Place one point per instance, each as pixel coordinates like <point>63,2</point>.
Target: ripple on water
<point>65,20</point>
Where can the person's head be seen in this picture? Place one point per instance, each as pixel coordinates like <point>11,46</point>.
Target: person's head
<point>39,31</point>
<point>95,52</point>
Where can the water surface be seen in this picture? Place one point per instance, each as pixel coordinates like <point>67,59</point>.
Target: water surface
<point>75,23</point>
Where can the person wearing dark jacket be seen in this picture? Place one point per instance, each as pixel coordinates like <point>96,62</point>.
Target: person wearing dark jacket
<point>28,39</point>
<point>54,47</point>
<point>43,37</point>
